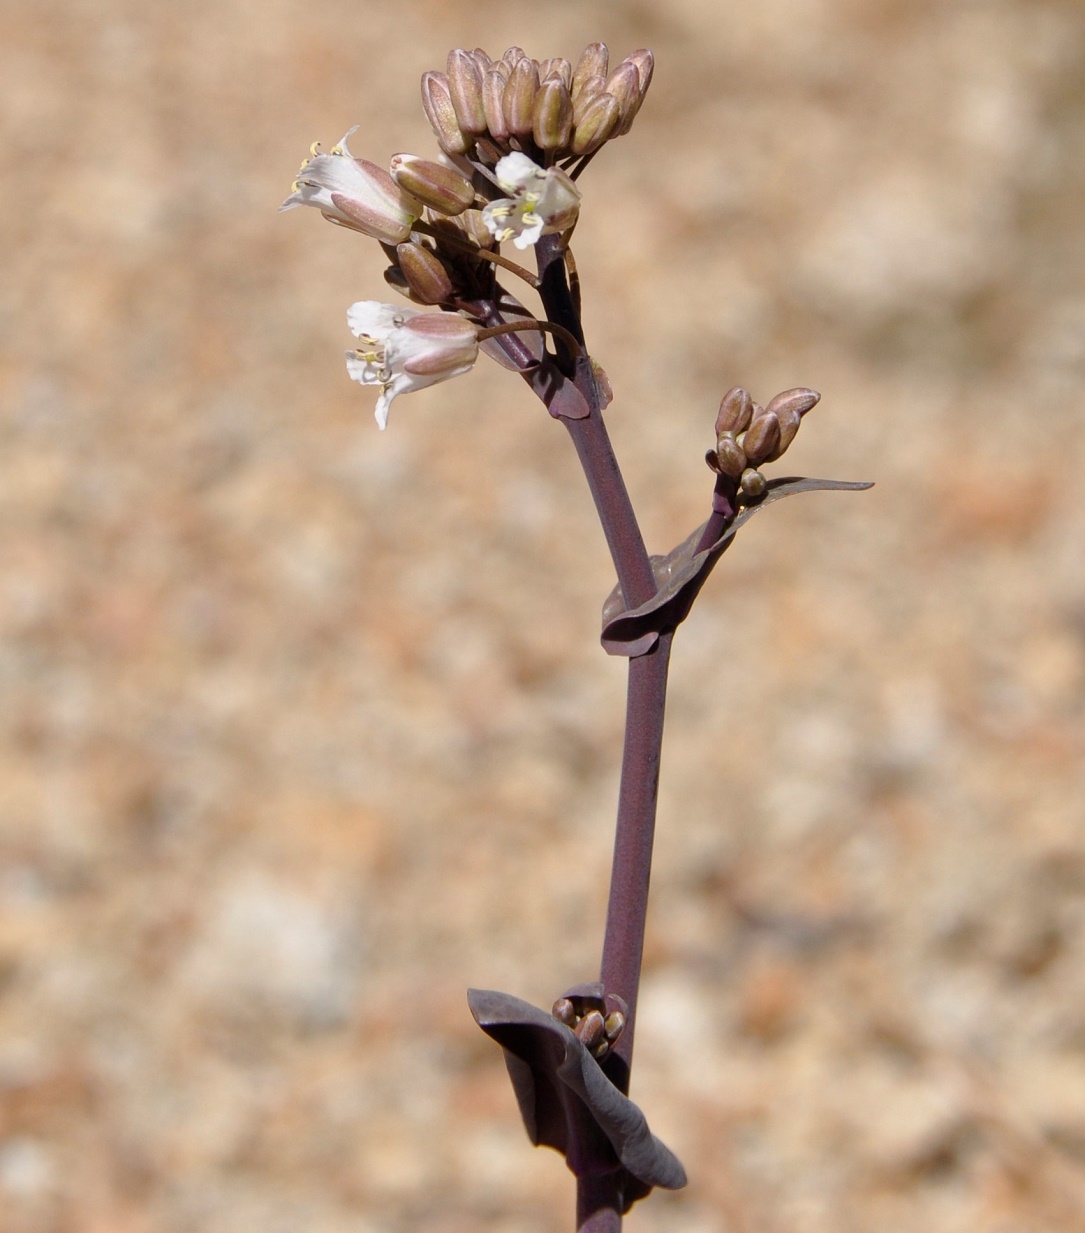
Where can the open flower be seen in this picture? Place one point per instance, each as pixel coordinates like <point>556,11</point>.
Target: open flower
<point>539,202</point>
<point>403,349</point>
<point>353,191</point>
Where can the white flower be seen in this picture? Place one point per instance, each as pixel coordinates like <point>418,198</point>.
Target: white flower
<point>404,349</point>
<point>540,202</point>
<point>355,192</point>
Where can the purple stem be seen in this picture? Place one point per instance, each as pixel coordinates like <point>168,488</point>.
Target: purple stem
<point>599,1201</point>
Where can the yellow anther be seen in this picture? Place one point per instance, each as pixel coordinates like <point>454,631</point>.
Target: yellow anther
<point>337,150</point>
<point>314,150</point>
<point>296,186</point>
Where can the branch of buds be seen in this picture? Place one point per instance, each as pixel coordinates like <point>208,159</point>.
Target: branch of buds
<point>514,135</point>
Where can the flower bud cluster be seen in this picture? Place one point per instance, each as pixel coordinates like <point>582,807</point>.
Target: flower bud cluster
<point>749,435</point>
<point>599,1031</point>
<point>551,110</point>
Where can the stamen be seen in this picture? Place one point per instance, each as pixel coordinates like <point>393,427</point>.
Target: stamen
<point>314,150</point>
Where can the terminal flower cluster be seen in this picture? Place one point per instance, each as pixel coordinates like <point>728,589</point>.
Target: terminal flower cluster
<point>514,134</point>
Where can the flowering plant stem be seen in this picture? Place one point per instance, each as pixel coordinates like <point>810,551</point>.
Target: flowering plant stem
<point>599,1204</point>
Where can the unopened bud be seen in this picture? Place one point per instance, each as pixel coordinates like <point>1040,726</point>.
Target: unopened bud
<point>730,458</point>
<point>442,188</point>
<point>513,55</point>
<point>437,103</point>
<point>614,1025</point>
<point>482,59</point>
<point>591,90</point>
<point>493,94</point>
<point>474,228</point>
<point>736,411</point>
<point>753,483</point>
<point>761,438</point>
<point>597,125</point>
<point>790,407</point>
<point>519,101</point>
<point>553,120</point>
<point>557,67</point>
<point>465,89</point>
<point>645,65</point>
<point>624,84</point>
<point>593,62</point>
<point>590,1029</point>
<point>565,1012</point>
<point>426,276</point>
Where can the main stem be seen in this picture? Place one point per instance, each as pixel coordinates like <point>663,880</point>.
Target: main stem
<point>599,1199</point>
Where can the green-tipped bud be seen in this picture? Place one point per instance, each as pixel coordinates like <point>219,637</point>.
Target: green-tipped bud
<point>591,1031</point>
<point>729,458</point>
<point>565,1012</point>
<point>553,122</point>
<point>519,101</point>
<point>753,484</point>
<point>426,276</point>
<point>465,89</point>
<point>593,62</point>
<point>614,1025</point>
<point>442,188</point>
<point>736,411</point>
<point>598,124</point>
<point>558,67</point>
<point>593,87</point>
<point>493,95</point>
<point>624,84</point>
<point>437,103</point>
<point>761,438</point>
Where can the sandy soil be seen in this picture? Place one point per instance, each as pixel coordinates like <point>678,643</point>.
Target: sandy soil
<point>306,727</point>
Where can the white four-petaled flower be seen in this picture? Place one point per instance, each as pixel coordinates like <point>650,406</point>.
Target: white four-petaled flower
<point>403,349</point>
<point>353,191</point>
<point>540,202</point>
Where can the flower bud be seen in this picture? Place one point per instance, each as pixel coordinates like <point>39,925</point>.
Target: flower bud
<point>513,55</point>
<point>437,103</point>
<point>730,457</point>
<point>553,119</point>
<point>592,63</point>
<point>644,62</point>
<point>736,411</point>
<point>482,59</point>
<point>493,93</point>
<point>624,84</point>
<point>442,188</point>
<point>790,407</point>
<point>465,89</point>
<point>474,228</point>
<point>519,101</point>
<point>597,124</point>
<point>761,438</point>
<point>565,1012</point>
<point>591,1031</point>
<point>614,1025</point>
<point>426,276</point>
<point>753,484</point>
<point>592,88</point>
<point>557,67</point>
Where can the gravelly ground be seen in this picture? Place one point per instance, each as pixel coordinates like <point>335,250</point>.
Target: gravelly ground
<point>306,727</point>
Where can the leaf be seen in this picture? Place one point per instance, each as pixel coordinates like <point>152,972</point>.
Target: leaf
<point>568,1103</point>
<point>682,572</point>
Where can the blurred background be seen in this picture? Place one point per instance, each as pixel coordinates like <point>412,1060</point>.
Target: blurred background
<point>306,727</point>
